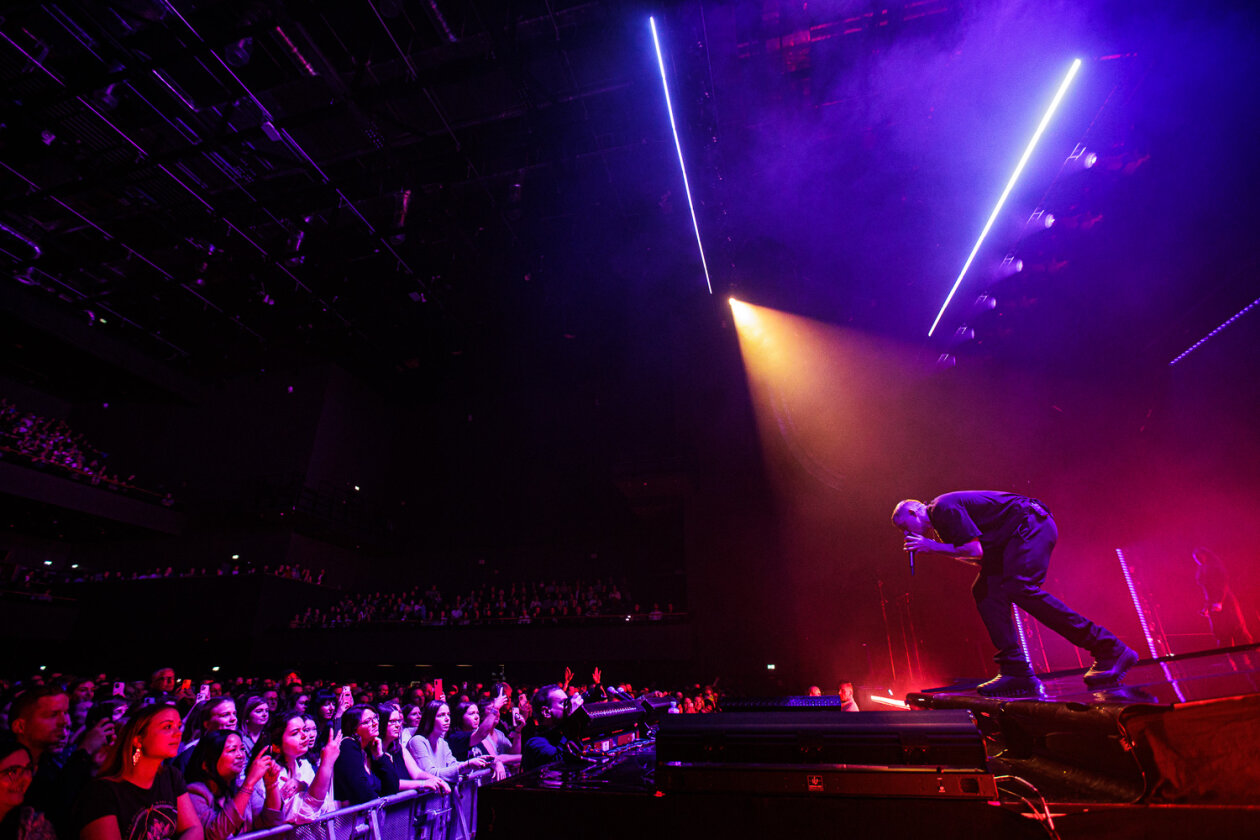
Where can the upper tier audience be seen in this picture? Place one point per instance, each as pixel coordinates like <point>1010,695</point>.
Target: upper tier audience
<point>49,443</point>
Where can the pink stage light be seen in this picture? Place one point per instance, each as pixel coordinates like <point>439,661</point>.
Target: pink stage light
<point>1010,185</point>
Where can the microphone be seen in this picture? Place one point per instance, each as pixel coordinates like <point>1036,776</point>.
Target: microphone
<point>911,553</point>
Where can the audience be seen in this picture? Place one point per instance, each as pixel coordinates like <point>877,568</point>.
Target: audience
<point>49,443</point>
<point>536,602</point>
<point>130,744</point>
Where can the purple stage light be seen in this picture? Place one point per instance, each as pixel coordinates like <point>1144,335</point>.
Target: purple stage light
<point>1209,336</point>
<point>1010,185</point>
<point>660,59</point>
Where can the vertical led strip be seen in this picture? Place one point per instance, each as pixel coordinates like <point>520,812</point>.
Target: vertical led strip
<point>1137,604</point>
<point>1010,185</point>
<point>1019,628</point>
<point>660,59</point>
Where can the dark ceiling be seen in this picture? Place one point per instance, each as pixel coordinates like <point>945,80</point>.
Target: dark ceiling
<point>414,187</point>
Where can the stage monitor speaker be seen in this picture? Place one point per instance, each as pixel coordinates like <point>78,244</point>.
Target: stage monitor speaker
<point>938,739</point>
<point>825,752</point>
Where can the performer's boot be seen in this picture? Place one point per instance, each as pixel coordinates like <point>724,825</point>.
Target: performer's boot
<point>1110,666</point>
<point>1010,685</point>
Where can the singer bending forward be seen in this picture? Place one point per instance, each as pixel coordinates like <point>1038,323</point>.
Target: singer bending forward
<point>1010,538</point>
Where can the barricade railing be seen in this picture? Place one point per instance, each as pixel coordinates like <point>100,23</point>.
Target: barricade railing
<point>409,815</point>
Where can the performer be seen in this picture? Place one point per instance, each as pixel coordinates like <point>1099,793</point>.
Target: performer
<point>1219,604</point>
<point>1010,538</point>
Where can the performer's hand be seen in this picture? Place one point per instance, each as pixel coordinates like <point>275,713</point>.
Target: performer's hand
<point>918,542</point>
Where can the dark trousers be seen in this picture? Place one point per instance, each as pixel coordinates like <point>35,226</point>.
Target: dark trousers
<point>1015,577</point>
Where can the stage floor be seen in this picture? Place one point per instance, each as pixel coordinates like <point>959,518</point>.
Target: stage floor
<point>1180,730</point>
<point>1186,678</point>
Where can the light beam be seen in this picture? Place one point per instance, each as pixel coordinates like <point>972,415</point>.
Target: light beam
<point>673,126</point>
<point>1010,185</point>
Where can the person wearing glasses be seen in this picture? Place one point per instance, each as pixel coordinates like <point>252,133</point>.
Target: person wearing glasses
<point>17,768</point>
<point>363,771</point>
<point>547,742</point>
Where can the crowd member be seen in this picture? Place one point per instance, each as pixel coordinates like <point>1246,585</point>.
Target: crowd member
<point>257,714</point>
<point>411,721</point>
<point>547,742</point>
<point>39,719</point>
<point>391,742</point>
<point>208,716</point>
<point>224,807</point>
<point>475,734</point>
<point>847,703</point>
<point>18,821</point>
<point>363,771</point>
<point>430,751</point>
<point>310,729</point>
<point>432,756</point>
<point>299,791</point>
<point>138,795</point>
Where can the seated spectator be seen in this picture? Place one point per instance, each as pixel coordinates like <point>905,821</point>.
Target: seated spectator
<point>18,821</point>
<point>138,795</point>
<point>430,751</point>
<point>297,789</point>
<point>363,771</point>
<point>224,808</point>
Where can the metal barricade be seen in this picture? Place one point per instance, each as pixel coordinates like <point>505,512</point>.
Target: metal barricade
<point>409,815</point>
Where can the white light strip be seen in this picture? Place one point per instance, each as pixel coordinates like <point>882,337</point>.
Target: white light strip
<point>1137,604</point>
<point>889,701</point>
<point>660,59</point>
<point>1207,337</point>
<point>1010,185</point>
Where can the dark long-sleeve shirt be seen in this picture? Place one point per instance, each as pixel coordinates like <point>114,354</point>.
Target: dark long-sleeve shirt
<point>355,785</point>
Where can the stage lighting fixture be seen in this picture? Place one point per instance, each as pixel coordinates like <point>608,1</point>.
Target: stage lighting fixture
<point>1080,159</point>
<point>1040,220</point>
<point>984,303</point>
<point>660,60</point>
<point>1009,265</point>
<point>1010,185</point>
<point>945,361</point>
<point>961,336</point>
<point>239,52</point>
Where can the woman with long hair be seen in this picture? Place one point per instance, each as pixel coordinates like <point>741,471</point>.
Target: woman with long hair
<point>225,808</point>
<point>297,789</point>
<point>475,733</point>
<point>391,744</point>
<point>207,716</point>
<point>432,756</point>
<point>138,795</point>
<point>363,771</point>
<point>257,713</point>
